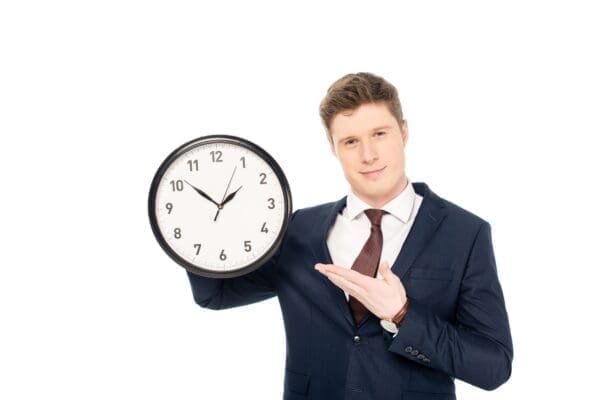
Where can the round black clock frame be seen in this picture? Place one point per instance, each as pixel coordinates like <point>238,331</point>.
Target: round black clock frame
<point>201,141</point>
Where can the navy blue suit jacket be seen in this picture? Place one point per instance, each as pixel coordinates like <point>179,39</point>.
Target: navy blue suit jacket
<point>456,326</point>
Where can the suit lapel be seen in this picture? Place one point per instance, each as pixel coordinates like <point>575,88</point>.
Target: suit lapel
<point>430,215</point>
<point>323,256</point>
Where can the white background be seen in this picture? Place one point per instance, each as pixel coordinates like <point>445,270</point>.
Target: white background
<point>501,100</point>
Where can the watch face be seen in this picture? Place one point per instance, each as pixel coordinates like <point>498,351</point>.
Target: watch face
<point>219,206</point>
<point>388,326</point>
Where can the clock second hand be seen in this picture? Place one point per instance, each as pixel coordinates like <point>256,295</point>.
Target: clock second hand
<point>226,189</point>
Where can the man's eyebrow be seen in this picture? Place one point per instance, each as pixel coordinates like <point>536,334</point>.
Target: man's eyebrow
<point>370,130</point>
<point>381,127</point>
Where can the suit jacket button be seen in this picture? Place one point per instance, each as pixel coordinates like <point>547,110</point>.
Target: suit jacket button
<point>426,360</point>
<point>420,356</point>
<point>356,339</point>
<point>408,349</point>
<point>414,352</point>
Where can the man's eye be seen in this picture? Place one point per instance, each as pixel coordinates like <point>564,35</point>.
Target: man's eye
<point>351,141</point>
<point>380,133</point>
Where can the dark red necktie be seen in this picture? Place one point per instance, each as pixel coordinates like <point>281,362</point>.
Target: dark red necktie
<point>367,261</point>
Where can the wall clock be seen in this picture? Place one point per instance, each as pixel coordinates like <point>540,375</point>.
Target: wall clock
<point>219,206</point>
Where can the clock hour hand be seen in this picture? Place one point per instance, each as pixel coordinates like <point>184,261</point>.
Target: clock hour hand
<point>230,197</point>
<point>201,193</point>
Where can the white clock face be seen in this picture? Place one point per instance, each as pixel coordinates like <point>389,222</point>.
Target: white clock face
<point>220,206</point>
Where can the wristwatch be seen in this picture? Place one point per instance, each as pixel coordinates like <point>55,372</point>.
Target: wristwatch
<point>391,325</point>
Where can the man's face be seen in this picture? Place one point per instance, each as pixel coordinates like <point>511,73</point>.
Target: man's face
<point>369,144</point>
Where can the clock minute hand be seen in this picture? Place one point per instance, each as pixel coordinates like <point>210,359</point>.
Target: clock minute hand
<point>201,193</point>
<point>230,197</point>
<point>225,194</point>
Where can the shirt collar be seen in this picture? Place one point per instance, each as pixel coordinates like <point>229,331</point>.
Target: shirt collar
<point>400,206</point>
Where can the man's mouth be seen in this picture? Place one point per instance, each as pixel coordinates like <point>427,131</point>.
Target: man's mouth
<point>372,173</point>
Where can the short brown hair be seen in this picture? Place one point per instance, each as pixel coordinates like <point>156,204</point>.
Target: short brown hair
<point>353,90</point>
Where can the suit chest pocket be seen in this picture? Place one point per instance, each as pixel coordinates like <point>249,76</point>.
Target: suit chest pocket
<point>425,283</point>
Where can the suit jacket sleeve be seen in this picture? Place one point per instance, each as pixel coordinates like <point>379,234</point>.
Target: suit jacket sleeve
<point>218,294</point>
<point>477,346</point>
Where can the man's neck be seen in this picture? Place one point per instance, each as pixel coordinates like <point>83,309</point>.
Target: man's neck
<point>380,202</point>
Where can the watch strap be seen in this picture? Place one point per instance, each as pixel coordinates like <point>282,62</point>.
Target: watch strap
<point>401,314</point>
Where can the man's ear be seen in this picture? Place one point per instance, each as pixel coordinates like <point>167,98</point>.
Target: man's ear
<point>404,131</point>
<point>332,147</point>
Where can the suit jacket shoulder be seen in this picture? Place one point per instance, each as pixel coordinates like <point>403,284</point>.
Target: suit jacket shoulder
<point>458,214</point>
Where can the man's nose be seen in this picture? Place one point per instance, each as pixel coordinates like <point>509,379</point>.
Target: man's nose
<point>368,152</point>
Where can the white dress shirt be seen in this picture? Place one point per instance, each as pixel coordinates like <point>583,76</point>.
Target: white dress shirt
<point>352,228</point>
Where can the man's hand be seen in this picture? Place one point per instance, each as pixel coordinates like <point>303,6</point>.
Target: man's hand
<point>383,297</point>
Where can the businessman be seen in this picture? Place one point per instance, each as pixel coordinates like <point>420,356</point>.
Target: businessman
<point>390,292</point>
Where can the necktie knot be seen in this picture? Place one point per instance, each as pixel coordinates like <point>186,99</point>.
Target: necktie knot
<point>375,216</point>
